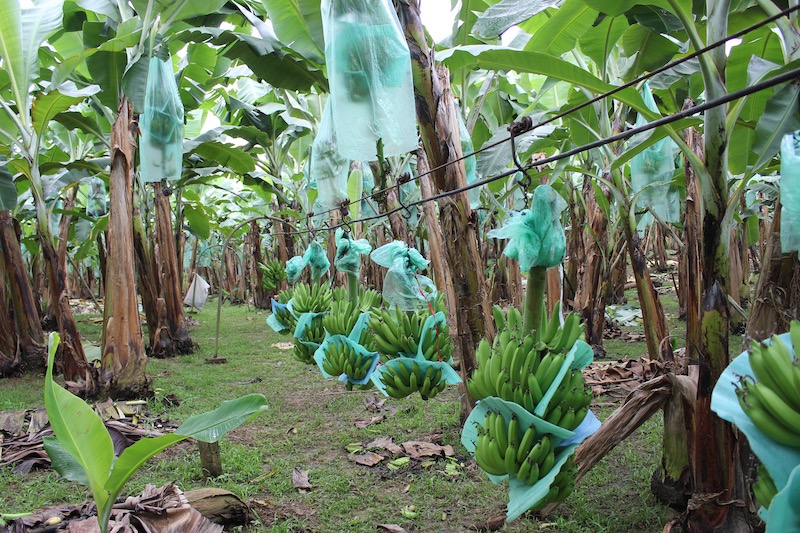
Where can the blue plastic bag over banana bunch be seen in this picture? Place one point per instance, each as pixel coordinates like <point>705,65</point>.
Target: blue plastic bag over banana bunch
<point>369,69</point>
<point>344,358</point>
<point>790,192</point>
<point>314,257</point>
<point>329,169</point>
<point>781,460</point>
<point>402,286</point>
<point>349,252</point>
<point>161,123</point>
<point>651,174</point>
<point>535,236</point>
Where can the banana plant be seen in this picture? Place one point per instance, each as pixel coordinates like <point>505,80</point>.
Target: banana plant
<point>27,111</point>
<point>82,451</point>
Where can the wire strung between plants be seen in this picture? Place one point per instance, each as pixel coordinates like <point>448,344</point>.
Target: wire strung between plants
<point>790,75</point>
<point>530,126</point>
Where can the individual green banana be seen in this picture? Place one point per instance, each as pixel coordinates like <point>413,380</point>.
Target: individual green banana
<point>526,443</point>
<point>764,487</point>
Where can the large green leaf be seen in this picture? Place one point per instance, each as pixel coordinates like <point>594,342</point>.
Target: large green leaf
<point>780,117</point>
<point>498,58</point>
<point>103,7</point>
<point>179,9</point>
<point>618,7</point>
<point>198,221</point>
<point>134,456</point>
<point>211,426</point>
<point>8,192</point>
<point>106,68</point>
<point>226,155</point>
<point>134,83</point>
<point>79,430</point>
<point>46,106</point>
<point>600,40</point>
<point>506,13</point>
<point>72,120</point>
<point>559,34</point>
<point>293,22</point>
<point>22,31</point>
<point>266,59</point>
<point>63,462</point>
<point>651,49</point>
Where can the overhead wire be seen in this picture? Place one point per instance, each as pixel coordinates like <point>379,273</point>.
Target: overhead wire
<point>532,126</point>
<point>787,76</point>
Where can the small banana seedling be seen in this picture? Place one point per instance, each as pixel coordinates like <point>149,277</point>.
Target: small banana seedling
<point>82,450</point>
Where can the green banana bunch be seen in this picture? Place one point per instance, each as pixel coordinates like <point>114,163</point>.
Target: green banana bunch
<point>314,333</point>
<point>764,487</point>
<point>341,318</point>
<point>272,273</point>
<point>570,403</point>
<point>556,337</point>
<point>400,381</point>
<point>772,400</point>
<point>517,371</point>
<point>284,315</point>
<point>387,336</point>
<point>562,486</point>
<point>341,358</point>
<point>504,448</point>
<point>311,299</point>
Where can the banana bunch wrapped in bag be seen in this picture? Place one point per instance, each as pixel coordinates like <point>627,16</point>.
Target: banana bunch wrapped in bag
<point>759,392</point>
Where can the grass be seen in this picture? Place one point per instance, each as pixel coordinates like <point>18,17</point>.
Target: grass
<point>309,423</point>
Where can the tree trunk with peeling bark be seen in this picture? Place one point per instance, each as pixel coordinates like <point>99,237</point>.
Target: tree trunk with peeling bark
<point>588,291</point>
<point>176,320</point>
<point>773,305</point>
<point>438,122</point>
<point>261,299</point>
<point>122,367</point>
<point>149,283</point>
<point>10,357</point>
<point>655,322</point>
<point>435,239</point>
<point>27,327</point>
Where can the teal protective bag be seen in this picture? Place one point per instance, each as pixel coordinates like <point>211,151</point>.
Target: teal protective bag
<point>652,171</point>
<point>535,236</point>
<point>790,192</point>
<point>161,124</point>
<point>402,286</point>
<point>349,252</point>
<point>352,340</point>
<point>369,70</point>
<point>329,169</point>
<point>314,257</point>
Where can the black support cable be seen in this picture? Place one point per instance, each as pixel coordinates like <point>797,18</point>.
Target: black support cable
<point>632,83</point>
<point>791,75</point>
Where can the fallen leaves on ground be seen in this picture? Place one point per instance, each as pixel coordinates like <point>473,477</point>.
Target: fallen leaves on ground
<point>282,345</point>
<point>618,378</point>
<point>300,479</point>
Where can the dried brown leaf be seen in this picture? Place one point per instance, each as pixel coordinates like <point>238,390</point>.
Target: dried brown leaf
<point>366,459</point>
<point>300,479</point>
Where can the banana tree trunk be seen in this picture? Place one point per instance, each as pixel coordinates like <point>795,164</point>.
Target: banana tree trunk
<point>10,357</point>
<point>70,359</point>
<point>149,283</point>
<point>28,332</point>
<point>715,455</point>
<point>63,231</point>
<point>388,201</point>
<point>654,322</point>
<point>773,305</point>
<point>176,320</point>
<point>122,367</point>
<point>437,116</point>
<point>435,238</point>
<point>261,299</point>
<point>588,291</point>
